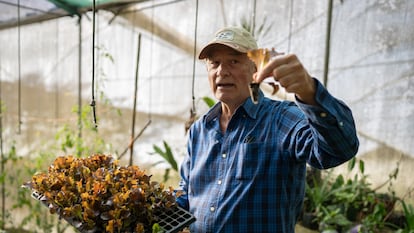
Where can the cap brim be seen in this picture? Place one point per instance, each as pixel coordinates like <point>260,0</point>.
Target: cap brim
<point>204,53</point>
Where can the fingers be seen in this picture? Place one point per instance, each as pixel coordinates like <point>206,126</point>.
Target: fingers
<point>277,67</point>
<point>290,73</point>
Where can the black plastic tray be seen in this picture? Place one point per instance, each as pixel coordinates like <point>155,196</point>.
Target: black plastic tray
<point>171,221</point>
<point>175,220</point>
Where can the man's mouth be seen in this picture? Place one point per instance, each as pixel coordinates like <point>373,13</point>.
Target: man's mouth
<point>224,85</point>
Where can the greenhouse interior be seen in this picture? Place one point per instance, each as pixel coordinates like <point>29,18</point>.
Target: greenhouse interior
<point>117,84</point>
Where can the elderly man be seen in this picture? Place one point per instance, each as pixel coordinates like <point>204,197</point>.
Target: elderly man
<point>246,164</point>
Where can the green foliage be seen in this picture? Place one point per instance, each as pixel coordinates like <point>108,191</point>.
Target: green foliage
<point>209,101</point>
<point>168,157</point>
<point>339,203</point>
<point>156,228</point>
<point>19,169</point>
<point>409,218</point>
<point>76,138</point>
<point>257,31</point>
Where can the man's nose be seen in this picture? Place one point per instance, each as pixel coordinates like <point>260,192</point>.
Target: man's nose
<point>223,70</point>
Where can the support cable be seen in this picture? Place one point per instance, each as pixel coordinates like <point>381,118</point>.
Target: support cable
<point>194,56</point>
<point>93,102</point>
<point>19,62</point>
<point>253,19</point>
<point>80,79</point>
<point>327,44</point>
<point>151,52</point>
<point>3,184</point>
<point>290,25</point>
<point>57,73</point>
<point>193,110</point>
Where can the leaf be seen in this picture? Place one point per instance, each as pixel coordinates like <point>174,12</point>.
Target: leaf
<point>166,174</point>
<point>361,166</point>
<point>156,228</point>
<point>209,101</point>
<point>351,164</point>
<point>167,155</point>
<point>409,215</point>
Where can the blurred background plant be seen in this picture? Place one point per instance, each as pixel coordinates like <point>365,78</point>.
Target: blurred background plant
<point>340,204</point>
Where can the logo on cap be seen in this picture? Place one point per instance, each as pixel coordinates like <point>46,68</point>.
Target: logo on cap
<point>226,35</point>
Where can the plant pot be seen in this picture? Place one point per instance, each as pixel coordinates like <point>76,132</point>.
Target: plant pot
<point>309,221</point>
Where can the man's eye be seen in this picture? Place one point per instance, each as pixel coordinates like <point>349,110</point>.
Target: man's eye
<point>234,61</point>
<point>214,63</point>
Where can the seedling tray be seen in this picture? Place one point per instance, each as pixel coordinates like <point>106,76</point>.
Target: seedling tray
<point>172,221</point>
<point>175,220</point>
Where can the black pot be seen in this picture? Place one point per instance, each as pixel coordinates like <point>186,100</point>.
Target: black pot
<point>309,221</point>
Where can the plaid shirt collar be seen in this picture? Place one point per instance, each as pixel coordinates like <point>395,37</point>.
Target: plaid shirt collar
<point>248,106</point>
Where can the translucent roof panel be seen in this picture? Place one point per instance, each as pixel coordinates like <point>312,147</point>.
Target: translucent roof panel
<point>11,11</point>
<point>20,12</point>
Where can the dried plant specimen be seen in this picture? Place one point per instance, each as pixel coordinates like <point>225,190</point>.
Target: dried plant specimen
<point>261,57</point>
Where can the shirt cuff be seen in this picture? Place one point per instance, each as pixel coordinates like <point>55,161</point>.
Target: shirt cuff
<point>322,113</point>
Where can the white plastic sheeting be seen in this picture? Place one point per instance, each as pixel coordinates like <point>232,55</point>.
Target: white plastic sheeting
<point>371,63</point>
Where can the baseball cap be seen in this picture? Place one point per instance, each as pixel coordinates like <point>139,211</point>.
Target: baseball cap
<point>236,38</point>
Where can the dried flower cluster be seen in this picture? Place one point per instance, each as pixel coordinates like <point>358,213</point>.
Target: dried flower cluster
<point>95,194</point>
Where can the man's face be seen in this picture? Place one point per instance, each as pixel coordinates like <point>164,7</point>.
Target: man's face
<point>229,74</point>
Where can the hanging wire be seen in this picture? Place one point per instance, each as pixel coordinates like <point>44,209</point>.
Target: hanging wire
<point>93,102</point>
<point>99,70</point>
<point>193,110</point>
<point>327,43</point>
<point>57,72</point>
<point>80,79</point>
<point>223,13</point>
<point>151,57</point>
<point>253,19</point>
<point>194,57</point>
<point>19,61</point>
<point>3,184</point>
<point>290,25</point>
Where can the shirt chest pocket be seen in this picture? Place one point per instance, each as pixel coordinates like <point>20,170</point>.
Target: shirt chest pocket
<point>255,160</point>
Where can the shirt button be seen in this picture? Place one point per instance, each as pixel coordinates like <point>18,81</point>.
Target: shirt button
<point>341,124</point>
<point>224,155</point>
<point>212,209</point>
<point>219,182</point>
<point>323,114</point>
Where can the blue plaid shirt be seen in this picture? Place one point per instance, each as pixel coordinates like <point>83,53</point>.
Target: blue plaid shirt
<point>252,178</point>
